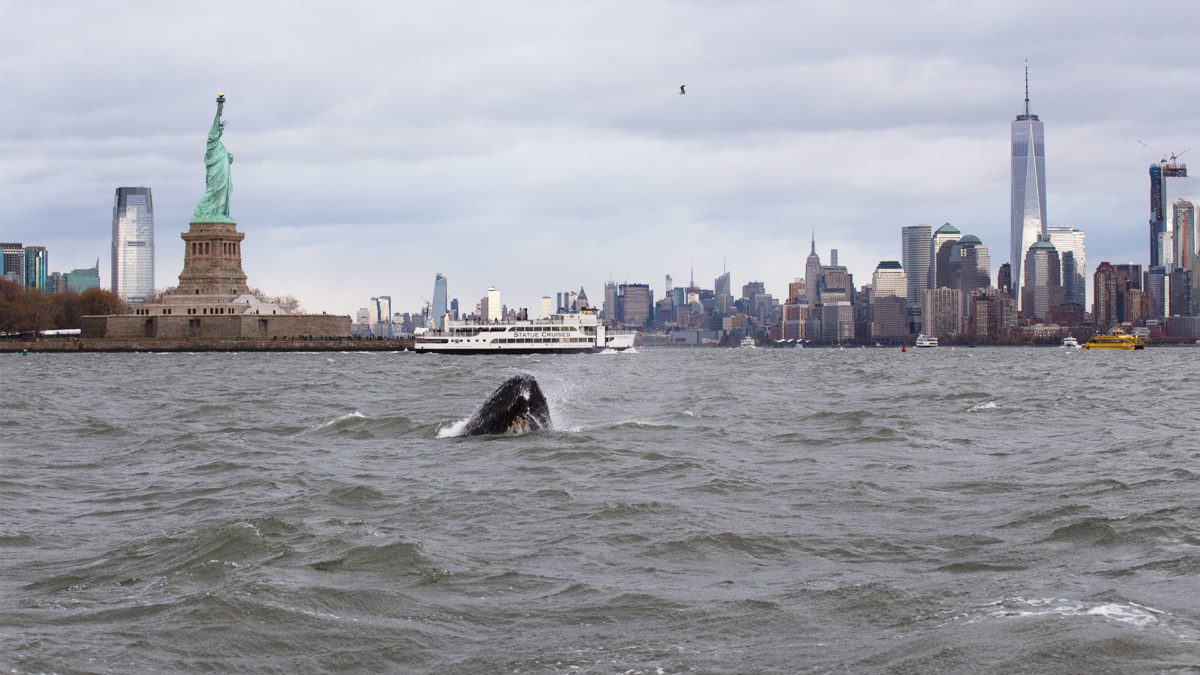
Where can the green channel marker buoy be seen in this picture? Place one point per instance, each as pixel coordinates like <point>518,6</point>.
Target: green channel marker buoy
<point>24,352</point>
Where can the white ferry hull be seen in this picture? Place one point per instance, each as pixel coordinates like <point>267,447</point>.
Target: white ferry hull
<point>564,334</point>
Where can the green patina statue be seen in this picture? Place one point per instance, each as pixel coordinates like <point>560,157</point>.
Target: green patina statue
<point>218,183</point>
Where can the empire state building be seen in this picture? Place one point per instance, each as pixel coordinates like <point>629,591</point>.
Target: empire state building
<point>1028,190</point>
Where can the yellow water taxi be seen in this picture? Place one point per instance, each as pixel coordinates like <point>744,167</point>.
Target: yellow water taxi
<point>1115,339</point>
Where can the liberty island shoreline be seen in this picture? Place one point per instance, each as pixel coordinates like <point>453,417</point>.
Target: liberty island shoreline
<point>105,345</point>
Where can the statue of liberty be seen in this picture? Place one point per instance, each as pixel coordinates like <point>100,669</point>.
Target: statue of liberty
<point>218,183</point>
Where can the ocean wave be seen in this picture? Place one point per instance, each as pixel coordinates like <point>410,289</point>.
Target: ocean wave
<point>337,422</point>
<point>362,426</point>
<point>398,557</point>
<point>706,545</point>
<point>980,407</point>
<point>1128,613</point>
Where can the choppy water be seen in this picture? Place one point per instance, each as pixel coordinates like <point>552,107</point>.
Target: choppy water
<point>710,510</point>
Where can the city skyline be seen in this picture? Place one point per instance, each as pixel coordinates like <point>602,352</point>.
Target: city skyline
<point>474,150</point>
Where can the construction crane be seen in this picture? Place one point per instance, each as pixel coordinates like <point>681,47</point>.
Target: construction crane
<point>1167,159</point>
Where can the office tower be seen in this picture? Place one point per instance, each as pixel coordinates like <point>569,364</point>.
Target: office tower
<point>889,279</point>
<point>1004,278</point>
<point>723,293</point>
<point>833,257</point>
<point>889,300</point>
<point>79,280</point>
<point>939,245</point>
<point>1180,295</point>
<point>1169,182</point>
<point>581,301</point>
<point>970,268</point>
<point>1155,286</point>
<point>812,275</point>
<point>1132,273</point>
<point>795,291</point>
<point>915,258</point>
<point>679,297</point>
<point>1042,279</point>
<point>942,312</point>
<point>670,286</point>
<point>35,267</point>
<point>133,244</point>
<point>493,309</point>
<point>1183,231</point>
<point>751,291</point>
<point>1028,191</point>
<point>547,307</point>
<point>1069,242</point>
<point>994,313</point>
<point>792,321</point>
<point>381,316</point>
<point>437,310</point>
<point>56,282</point>
<point>610,302</point>
<point>1107,289</point>
<point>837,320</point>
<point>636,303</point>
<point>454,309</point>
<point>836,284</point>
<point>14,262</point>
<point>363,317</point>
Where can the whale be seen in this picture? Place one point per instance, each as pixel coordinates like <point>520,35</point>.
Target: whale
<point>518,406</point>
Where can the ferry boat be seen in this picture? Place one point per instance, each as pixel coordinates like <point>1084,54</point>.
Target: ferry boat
<point>1070,342</point>
<point>924,340</point>
<point>748,343</point>
<point>560,334</point>
<point>1115,339</point>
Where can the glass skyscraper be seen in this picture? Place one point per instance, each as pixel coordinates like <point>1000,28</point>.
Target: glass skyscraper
<point>1073,258</point>
<point>1169,182</point>
<point>915,259</point>
<point>35,267</point>
<point>1028,190</point>
<point>133,244</point>
<point>438,309</point>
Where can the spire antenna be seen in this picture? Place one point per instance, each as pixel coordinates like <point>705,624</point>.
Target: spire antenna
<point>1026,87</point>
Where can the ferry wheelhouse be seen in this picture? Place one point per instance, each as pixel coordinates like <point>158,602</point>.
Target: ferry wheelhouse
<point>560,334</point>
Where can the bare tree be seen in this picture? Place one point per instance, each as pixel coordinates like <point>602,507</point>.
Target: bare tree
<point>287,303</point>
<point>160,293</point>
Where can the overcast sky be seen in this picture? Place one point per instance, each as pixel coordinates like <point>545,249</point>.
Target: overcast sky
<point>539,147</point>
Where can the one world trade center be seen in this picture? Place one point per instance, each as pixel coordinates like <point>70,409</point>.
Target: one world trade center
<point>1028,190</point>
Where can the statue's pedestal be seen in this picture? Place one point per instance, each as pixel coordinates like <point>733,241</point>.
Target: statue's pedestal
<point>212,260</point>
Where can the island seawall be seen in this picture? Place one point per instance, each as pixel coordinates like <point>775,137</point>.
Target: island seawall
<point>86,344</point>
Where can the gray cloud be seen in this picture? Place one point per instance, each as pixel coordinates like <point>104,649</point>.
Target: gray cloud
<point>538,147</point>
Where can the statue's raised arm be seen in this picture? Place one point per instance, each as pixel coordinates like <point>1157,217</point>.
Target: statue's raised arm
<point>218,182</point>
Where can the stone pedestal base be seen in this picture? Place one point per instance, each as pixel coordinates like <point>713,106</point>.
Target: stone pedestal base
<point>212,260</point>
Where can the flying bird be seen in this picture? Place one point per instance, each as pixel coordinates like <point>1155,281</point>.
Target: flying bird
<point>682,91</point>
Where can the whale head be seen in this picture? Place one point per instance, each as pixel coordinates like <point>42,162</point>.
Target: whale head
<point>517,407</point>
